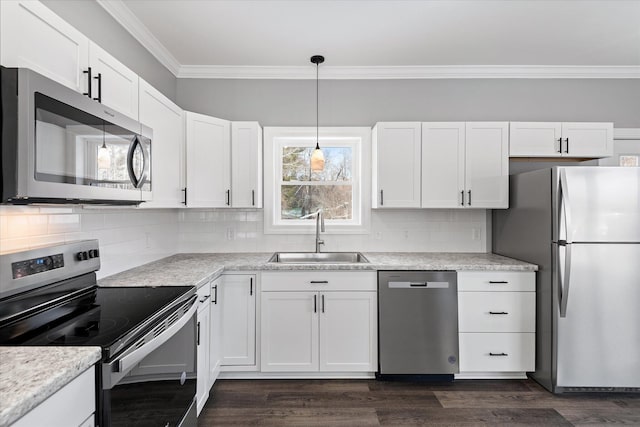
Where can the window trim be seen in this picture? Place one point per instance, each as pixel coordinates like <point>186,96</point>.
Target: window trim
<point>361,178</point>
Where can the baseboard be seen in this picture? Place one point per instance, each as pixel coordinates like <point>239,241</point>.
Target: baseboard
<point>295,375</point>
<point>491,376</point>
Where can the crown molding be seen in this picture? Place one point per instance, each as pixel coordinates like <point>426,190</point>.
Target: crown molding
<point>411,72</point>
<point>140,32</point>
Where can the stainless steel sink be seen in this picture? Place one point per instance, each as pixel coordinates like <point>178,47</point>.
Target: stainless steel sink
<point>318,257</point>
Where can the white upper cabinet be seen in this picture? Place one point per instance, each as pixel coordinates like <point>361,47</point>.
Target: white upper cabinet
<point>588,139</point>
<point>465,165</point>
<point>113,85</point>
<point>396,165</point>
<point>208,161</point>
<point>246,165</point>
<point>167,168</point>
<point>34,37</point>
<point>556,139</point>
<point>487,165</point>
<point>443,160</point>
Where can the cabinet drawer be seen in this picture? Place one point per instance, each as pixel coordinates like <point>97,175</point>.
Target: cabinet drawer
<point>497,311</point>
<point>499,352</point>
<point>504,281</point>
<point>319,281</point>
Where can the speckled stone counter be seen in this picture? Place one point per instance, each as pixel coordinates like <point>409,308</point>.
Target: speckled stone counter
<point>198,269</point>
<point>29,375</point>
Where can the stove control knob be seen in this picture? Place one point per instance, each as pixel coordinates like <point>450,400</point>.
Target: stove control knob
<point>93,253</point>
<point>82,256</point>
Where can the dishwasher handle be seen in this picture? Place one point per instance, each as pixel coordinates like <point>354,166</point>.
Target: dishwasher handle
<point>419,285</point>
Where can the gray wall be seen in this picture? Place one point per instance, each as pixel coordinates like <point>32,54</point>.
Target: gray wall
<point>364,102</point>
<point>97,24</point>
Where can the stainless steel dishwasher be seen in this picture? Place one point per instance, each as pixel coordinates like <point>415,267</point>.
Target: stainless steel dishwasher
<point>418,323</point>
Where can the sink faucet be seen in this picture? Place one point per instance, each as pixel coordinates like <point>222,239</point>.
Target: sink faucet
<point>319,227</point>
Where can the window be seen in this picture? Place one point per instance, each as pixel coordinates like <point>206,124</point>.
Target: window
<point>294,193</point>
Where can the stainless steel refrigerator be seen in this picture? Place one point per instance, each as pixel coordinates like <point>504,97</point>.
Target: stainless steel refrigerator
<point>581,225</point>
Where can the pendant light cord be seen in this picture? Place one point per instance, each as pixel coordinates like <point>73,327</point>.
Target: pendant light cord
<point>317,114</point>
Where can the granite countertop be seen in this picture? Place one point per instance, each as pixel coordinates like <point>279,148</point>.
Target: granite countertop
<point>29,375</point>
<point>198,269</point>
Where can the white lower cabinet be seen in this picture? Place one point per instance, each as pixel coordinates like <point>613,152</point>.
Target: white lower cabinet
<point>72,405</point>
<point>202,340</point>
<point>215,336</point>
<point>238,319</point>
<point>311,330</point>
<point>496,321</point>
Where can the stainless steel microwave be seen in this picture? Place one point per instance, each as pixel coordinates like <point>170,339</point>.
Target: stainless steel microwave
<point>59,146</point>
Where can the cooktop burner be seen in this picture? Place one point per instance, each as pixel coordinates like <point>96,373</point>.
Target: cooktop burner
<point>113,314</point>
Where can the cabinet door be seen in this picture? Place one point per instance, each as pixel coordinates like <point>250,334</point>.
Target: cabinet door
<point>202,387</point>
<point>32,36</point>
<point>238,319</point>
<point>289,334</point>
<point>396,165</point>
<point>246,165</point>
<point>443,148</point>
<point>215,336</point>
<point>588,139</point>
<point>535,139</point>
<point>348,331</point>
<point>487,165</point>
<point>208,161</point>
<point>114,85</point>
<point>167,168</point>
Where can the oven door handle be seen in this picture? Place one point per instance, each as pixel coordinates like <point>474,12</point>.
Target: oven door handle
<point>130,360</point>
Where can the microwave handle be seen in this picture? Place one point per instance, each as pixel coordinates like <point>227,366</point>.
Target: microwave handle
<point>137,182</point>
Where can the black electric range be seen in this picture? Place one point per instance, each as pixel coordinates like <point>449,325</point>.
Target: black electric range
<point>49,297</point>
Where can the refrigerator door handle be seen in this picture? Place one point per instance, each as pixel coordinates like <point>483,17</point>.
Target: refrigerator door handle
<point>564,207</point>
<point>563,289</point>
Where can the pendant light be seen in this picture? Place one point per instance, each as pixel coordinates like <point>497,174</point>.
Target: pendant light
<point>104,158</point>
<point>317,158</point>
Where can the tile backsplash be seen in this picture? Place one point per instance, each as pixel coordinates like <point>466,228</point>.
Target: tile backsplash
<point>130,237</point>
<point>420,230</point>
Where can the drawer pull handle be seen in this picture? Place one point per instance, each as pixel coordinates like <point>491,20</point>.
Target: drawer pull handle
<point>315,282</point>
<point>498,354</point>
<point>498,312</point>
<point>494,282</point>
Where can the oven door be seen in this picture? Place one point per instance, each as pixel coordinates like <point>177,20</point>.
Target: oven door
<point>153,383</point>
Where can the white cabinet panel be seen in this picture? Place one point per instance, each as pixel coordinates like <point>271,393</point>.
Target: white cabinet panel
<point>238,319</point>
<point>487,164</point>
<point>72,405</point>
<point>167,168</point>
<point>202,341</point>
<point>32,36</point>
<point>246,165</point>
<point>396,165</point>
<point>443,164</point>
<point>561,139</point>
<point>114,85</point>
<point>501,281</point>
<point>497,312</point>
<point>208,166</point>
<point>215,336</point>
<point>588,139</point>
<point>348,331</point>
<point>289,331</point>
<point>535,139</point>
<point>497,352</point>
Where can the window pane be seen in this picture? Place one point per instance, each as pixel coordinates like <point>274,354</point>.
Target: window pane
<point>302,201</point>
<point>296,164</point>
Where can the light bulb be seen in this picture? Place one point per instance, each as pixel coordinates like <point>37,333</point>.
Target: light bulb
<point>317,160</point>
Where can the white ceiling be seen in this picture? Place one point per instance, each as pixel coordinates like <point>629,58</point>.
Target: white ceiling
<point>401,37</point>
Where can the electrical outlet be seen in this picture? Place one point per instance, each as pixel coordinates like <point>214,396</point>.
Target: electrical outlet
<point>475,234</point>
<point>378,235</point>
<point>406,234</point>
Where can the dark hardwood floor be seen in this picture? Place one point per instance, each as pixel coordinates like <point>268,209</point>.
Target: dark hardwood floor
<point>372,403</point>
